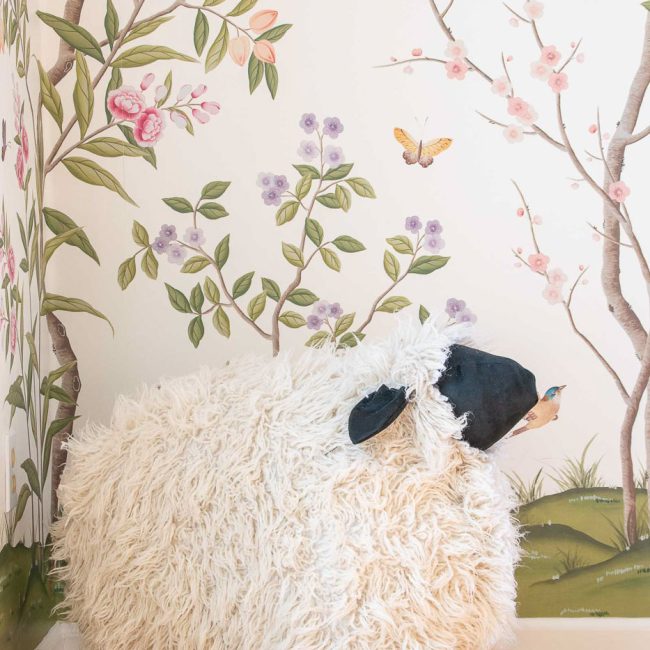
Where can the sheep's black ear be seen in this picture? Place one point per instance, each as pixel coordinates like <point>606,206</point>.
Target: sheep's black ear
<point>375,412</point>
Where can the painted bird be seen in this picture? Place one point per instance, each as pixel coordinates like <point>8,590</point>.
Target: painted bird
<point>544,411</point>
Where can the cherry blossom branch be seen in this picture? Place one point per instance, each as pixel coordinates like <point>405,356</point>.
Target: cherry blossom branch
<point>602,234</point>
<point>447,8</point>
<point>497,123</point>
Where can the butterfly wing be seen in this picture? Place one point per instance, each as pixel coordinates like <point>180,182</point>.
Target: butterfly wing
<point>406,140</point>
<point>425,161</point>
<point>434,147</point>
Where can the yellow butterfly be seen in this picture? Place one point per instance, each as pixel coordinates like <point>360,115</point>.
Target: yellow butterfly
<point>417,152</point>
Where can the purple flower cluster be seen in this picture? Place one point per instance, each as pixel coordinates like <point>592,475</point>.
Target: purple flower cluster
<point>433,242</point>
<point>458,311</point>
<point>273,186</point>
<point>323,310</point>
<point>166,243</point>
<point>332,126</point>
<point>308,123</point>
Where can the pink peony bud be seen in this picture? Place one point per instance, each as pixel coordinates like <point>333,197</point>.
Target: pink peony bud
<point>200,116</point>
<point>184,92</point>
<point>264,51</point>
<point>147,80</point>
<point>178,120</point>
<point>161,91</point>
<point>211,107</point>
<point>263,20</point>
<point>199,90</point>
<point>239,49</point>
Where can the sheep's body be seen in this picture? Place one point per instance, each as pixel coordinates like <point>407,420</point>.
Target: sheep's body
<point>228,509</point>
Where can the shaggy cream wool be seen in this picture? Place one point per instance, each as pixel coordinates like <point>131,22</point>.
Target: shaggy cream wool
<point>228,509</point>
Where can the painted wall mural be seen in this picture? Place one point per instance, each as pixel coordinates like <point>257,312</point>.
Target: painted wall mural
<point>92,95</point>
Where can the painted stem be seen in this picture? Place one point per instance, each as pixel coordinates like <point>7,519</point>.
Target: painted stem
<point>65,61</point>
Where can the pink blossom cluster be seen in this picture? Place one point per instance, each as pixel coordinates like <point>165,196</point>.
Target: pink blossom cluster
<point>544,69</point>
<point>457,66</point>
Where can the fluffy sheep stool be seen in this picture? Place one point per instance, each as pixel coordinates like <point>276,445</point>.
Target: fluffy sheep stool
<point>229,509</point>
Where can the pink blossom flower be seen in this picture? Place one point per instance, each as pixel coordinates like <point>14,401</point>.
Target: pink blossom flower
<point>416,51</point>
<point>558,82</point>
<point>529,116</point>
<point>211,107</point>
<point>264,51</point>
<point>540,70</point>
<point>580,57</point>
<point>456,69</point>
<point>501,86</point>
<point>553,294</point>
<point>456,50</point>
<point>538,262</point>
<point>520,212</point>
<point>550,55</point>
<point>263,20</point>
<point>11,264</point>
<point>534,9</point>
<point>147,80</point>
<point>537,220</point>
<point>581,267</point>
<point>199,90</point>
<point>13,331</point>
<point>593,129</point>
<point>509,58</point>
<point>200,116</point>
<point>513,22</point>
<point>618,191</point>
<point>239,49</point>
<point>149,127</point>
<point>20,168</point>
<point>517,106</point>
<point>24,142</point>
<point>557,277</point>
<point>125,103</point>
<point>513,133</point>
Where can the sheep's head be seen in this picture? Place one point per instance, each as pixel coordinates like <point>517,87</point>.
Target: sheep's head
<point>493,392</point>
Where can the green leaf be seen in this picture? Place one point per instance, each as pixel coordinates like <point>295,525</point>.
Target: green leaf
<point>50,97</point>
<point>314,231</point>
<point>329,200</point>
<point>286,212</point>
<point>221,322</point>
<point>242,7</point>
<point>351,339</point>
<point>271,288</point>
<point>646,5</point>
<point>394,304</point>
<point>32,476</point>
<point>218,49</point>
<point>146,54</point>
<point>83,95</point>
<point>56,426</point>
<point>391,266</point>
<point>293,254</point>
<point>90,172</point>
<point>201,32</point>
<point>178,300</point>
<point>423,314</point>
<point>214,190</point>
<point>147,27</point>
<point>307,170</point>
<point>222,252</point>
<point>60,223</point>
<point>212,3</point>
<point>111,148</point>
<point>331,259</point>
<point>242,284</point>
<point>348,244</point>
<point>74,35</point>
<point>292,319</point>
<point>402,244</point>
<point>271,73</point>
<point>274,34</point>
<point>179,204</point>
<point>211,291</point>
<point>111,22</point>
<point>126,273</point>
<point>428,264</point>
<point>57,393</point>
<point>337,173</point>
<point>149,264</point>
<point>195,264</point>
<point>213,210</point>
<point>23,497</point>
<point>302,297</point>
<point>148,153</point>
<point>195,330</point>
<point>52,244</point>
<point>343,324</point>
<point>15,395</point>
<point>361,187</point>
<point>255,73</point>
<point>256,306</point>
<point>317,340</point>
<point>53,302</point>
<point>197,298</point>
<point>344,197</point>
<point>303,186</point>
<point>57,373</point>
<point>140,234</point>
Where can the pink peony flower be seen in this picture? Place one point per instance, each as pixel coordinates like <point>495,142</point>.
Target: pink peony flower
<point>553,294</point>
<point>199,90</point>
<point>557,277</point>
<point>11,264</point>
<point>125,103</point>
<point>200,116</point>
<point>501,86</point>
<point>550,55</point>
<point>20,168</point>
<point>13,331</point>
<point>593,129</point>
<point>147,80</point>
<point>534,9</point>
<point>263,20</point>
<point>416,51</point>
<point>513,133</point>
<point>540,70</point>
<point>264,51</point>
<point>211,107</point>
<point>24,142</point>
<point>538,262</point>
<point>558,82</point>
<point>456,69</point>
<point>149,127</point>
<point>456,50</point>
<point>618,191</point>
<point>239,49</point>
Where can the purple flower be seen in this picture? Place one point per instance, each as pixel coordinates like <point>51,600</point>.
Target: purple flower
<point>160,245</point>
<point>194,236</point>
<point>314,322</point>
<point>307,150</point>
<point>333,156</point>
<point>433,228</point>
<point>308,122</point>
<point>465,316</point>
<point>332,126</point>
<point>334,310</point>
<point>455,307</point>
<point>280,183</point>
<point>264,180</point>
<point>320,308</point>
<point>434,243</point>
<point>271,197</point>
<point>168,232</point>
<point>412,224</point>
<point>176,254</point>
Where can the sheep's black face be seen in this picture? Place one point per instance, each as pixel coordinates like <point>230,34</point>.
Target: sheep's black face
<point>494,392</point>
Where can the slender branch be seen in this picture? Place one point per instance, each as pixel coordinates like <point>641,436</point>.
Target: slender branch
<point>65,60</point>
<point>413,60</point>
<point>497,123</point>
<point>635,137</point>
<point>231,22</point>
<point>602,234</point>
<point>447,8</point>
